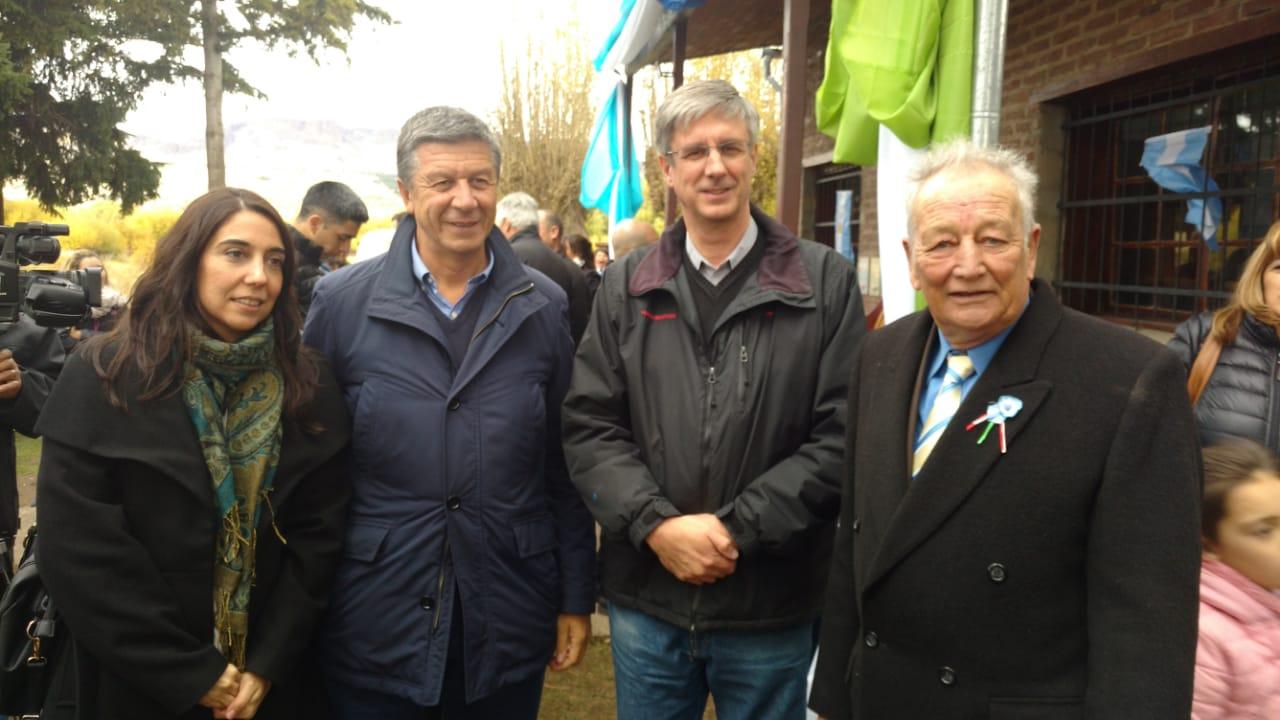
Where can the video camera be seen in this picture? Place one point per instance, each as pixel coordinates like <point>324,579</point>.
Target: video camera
<point>52,298</point>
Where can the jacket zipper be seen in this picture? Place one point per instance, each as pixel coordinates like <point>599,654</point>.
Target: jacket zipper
<point>444,569</point>
<point>743,381</point>
<point>1271,429</point>
<point>501,307</point>
<point>693,613</point>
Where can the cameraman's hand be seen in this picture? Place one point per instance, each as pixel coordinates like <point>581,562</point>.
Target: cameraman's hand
<point>10,376</point>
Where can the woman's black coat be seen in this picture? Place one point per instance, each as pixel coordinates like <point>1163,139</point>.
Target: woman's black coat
<point>127,523</point>
<point>1241,399</point>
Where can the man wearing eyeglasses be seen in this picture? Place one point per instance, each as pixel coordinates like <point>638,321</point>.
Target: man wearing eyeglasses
<point>704,426</point>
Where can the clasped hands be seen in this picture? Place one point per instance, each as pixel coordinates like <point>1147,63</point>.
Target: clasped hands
<point>697,549</point>
<point>236,695</point>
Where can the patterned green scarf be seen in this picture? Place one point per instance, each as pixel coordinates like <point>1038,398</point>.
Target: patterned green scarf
<point>234,392</point>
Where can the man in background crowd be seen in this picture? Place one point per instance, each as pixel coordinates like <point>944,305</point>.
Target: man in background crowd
<point>551,231</point>
<point>30,359</point>
<point>517,218</point>
<point>331,215</point>
<point>631,235</point>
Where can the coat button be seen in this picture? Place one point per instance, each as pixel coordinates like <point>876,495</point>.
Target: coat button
<point>872,640</point>
<point>857,524</point>
<point>453,503</point>
<point>946,676</point>
<point>427,603</point>
<point>996,572</point>
<point>455,404</point>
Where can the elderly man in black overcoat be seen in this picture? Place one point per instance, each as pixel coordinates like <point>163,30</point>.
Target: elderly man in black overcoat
<point>1019,533</point>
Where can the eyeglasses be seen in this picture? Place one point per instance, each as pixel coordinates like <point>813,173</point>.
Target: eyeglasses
<point>729,151</point>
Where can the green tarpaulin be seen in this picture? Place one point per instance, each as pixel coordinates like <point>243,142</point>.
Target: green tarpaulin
<point>906,64</point>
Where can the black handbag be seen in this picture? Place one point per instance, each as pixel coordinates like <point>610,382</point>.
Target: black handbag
<point>32,637</point>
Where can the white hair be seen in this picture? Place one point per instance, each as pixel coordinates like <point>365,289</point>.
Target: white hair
<point>519,208</point>
<point>964,154</point>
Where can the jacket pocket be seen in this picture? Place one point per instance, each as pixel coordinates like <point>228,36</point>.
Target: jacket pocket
<point>534,537</point>
<point>1037,708</point>
<point>364,541</point>
<point>536,544</point>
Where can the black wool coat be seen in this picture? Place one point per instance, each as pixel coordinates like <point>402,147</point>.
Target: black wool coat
<point>127,526</point>
<point>562,271</point>
<point>1057,581</point>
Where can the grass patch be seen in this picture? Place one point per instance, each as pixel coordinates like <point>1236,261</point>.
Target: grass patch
<point>28,456</point>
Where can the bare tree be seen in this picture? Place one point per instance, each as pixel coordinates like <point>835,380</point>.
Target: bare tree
<point>544,119</point>
<point>217,26</point>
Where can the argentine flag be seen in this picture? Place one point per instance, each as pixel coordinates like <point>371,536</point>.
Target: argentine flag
<point>1173,162</point>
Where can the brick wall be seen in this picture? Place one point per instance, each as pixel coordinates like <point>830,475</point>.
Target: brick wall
<point>1054,48</point>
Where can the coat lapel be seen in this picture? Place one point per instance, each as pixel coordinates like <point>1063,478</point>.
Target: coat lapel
<point>889,390</point>
<point>958,464</point>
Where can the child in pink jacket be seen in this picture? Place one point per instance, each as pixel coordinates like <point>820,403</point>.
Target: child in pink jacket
<point>1238,658</point>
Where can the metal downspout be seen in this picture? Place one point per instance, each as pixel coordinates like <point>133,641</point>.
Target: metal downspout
<point>989,32</point>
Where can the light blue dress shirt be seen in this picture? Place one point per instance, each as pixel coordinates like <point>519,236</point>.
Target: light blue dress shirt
<point>936,370</point>
<point>428,284</point>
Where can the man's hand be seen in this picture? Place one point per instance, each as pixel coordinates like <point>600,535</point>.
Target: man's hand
<point>253,688</point>
<point>572,634</point>
<point>696,549</point>
<point>224,690</point>
<point>10,376</point>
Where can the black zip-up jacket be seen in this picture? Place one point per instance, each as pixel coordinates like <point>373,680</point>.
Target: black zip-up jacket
<point>1241,399</point>
<point>309,270</point>
<point>655,427</point>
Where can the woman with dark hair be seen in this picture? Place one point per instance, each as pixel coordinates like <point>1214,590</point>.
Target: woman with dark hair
<point>193,485</point>
<point>1233,355</point>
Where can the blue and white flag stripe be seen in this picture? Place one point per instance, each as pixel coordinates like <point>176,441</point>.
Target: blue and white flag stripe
<point>1173,162</point>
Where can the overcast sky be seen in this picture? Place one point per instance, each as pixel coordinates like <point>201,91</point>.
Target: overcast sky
<point>439,52</point>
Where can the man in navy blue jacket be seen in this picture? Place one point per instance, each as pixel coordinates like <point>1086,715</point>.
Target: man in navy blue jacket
<point>469,564</point>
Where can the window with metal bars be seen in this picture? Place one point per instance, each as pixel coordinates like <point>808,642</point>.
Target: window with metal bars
<point>1128,251</point>
<point>831,178</point>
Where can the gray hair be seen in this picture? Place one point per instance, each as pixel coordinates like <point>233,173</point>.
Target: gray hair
<point>963,154</point>
<point>440,124</point>
<point>697,99</point>
<point>520,208</point>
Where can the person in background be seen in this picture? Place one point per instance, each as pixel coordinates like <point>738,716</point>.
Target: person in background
<point>1238,657</point>
<point>101,318</point>
<point>631,235</point>
<point>703,427</point>
<point>1231,354</point>
<point>330,216</point>
<point>580,252</point>
<point>517,219</point>
<point>193,486</point>
<point>31,358</point>
<point>551,231</point>
<point>601,260</point>
<point>470,560</point>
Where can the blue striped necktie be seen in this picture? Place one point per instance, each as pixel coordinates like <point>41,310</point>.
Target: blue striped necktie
<point>945,405</point>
